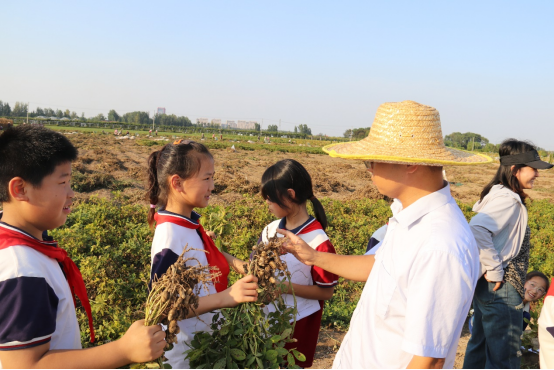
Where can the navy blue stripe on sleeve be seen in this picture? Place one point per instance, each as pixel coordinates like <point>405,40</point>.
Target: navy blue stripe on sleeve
<point>27,313</point>
<point>162,261</point>
<point>372,243</point>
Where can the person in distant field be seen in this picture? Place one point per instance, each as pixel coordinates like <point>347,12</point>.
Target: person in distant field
<point>150,132</point>
<point>156,132</point>
<point>427,257</point>
<point>221,137</point>
<point>546,330</point>
<point>38,280</point>
<point>180,179</point>
<point>115,132</point>
<point>286,188</point>
<point>503,236</point>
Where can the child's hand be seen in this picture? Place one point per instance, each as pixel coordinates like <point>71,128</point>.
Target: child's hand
<point>244,290</point>
<point>143,343</point>
<point>211,234</point>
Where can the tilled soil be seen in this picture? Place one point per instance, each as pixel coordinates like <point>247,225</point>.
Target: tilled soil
<point>122,165</point>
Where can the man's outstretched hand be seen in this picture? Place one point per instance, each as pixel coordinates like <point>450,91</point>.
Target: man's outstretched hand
<point>298,247</point>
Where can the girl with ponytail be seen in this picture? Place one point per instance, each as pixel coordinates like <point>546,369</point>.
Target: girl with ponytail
<point>287,187</point>
<point>180,179</point>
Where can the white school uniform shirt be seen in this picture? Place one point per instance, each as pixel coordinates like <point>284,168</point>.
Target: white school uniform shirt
<point>546,330</point>
<point>36,304</point>
<point>170,238</point>
<point>419,291</point>
<point>314,235</point>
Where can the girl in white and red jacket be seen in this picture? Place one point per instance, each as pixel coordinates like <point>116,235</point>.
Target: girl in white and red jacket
<point>181,180</point>
<point>286,187</point>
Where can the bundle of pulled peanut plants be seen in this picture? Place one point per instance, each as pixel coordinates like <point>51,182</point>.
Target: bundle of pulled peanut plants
<point>245,336</point>
<point>173,297</point>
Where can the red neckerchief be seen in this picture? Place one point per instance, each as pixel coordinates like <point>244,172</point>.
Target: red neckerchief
<point>214,256</point>
<point>9,238</point>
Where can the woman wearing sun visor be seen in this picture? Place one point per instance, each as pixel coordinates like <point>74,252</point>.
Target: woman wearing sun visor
<point>502,234</point>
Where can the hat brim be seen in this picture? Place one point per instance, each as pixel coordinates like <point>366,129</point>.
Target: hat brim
<point>540,165</point>
<point>443,156</point>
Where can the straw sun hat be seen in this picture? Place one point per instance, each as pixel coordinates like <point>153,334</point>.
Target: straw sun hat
<point>405,133</point>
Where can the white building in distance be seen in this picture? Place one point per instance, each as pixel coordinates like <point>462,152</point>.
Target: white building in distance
<point>246,125</point>
<point>231,124</point>
<point>202,121</point>
<point>216,122</point>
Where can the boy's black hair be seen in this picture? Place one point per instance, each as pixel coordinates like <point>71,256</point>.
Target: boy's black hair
<point>32,153</point>
<point>533,274</point>
<point>290,174</point>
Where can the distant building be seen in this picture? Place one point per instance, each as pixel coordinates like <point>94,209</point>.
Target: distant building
<point>161,110</point>
<point>246,125</point>
<point>216,122</point>
<point>231,124</point>
<point>224,125</point>
<point>202,121</point>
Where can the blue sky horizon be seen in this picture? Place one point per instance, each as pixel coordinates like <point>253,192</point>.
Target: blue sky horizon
<point>487,67</point>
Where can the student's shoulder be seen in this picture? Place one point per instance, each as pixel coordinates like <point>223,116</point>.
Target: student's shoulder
<point>18,260</point>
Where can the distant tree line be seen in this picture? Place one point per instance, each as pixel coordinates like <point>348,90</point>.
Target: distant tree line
<point>469,141</point>
<point>137,118</point>
<point>357,133</point>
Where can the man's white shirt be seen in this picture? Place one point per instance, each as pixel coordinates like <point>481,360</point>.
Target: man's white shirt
<point>420,289</point>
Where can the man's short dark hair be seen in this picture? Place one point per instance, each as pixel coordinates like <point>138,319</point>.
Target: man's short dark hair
<point>32,153</point>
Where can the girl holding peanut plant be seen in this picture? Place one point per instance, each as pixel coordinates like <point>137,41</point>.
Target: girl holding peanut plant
<point>181,179</point>
<point>286,187</point>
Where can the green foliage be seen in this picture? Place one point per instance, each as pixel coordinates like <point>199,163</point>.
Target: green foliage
<point>469,141</point>
<point>110,242</point>
<point>272,128</point>
<point>357,133</point>
<point>111,245</point>
<point>246,338</point>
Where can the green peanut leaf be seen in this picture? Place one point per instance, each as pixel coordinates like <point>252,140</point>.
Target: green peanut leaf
<point>271,355</point>
<point>286,333</point>
<point>250,361</point>
<point>220,364</point>
<point>282,351</point>
<point>224,330</point>
<point>290,360</point>
<point>238,332</point>
<point>238,354</point>
<point>275,338</point>
<point>259,362</point>
<point>299,356</point>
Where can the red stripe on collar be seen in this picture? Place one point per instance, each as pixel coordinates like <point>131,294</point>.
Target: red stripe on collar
<point>177,220</point>
<point>312,226</point>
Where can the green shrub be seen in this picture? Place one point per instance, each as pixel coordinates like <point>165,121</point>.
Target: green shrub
<point>110,242</point>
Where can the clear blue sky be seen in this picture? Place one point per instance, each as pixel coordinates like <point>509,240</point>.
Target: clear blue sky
<point>486,66</point>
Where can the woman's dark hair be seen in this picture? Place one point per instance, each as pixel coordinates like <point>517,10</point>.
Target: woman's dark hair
<point>32,153</point>
<point>533,274</point>
<point>505,174</point>
<point>289,174</point>
<point>182,158</point>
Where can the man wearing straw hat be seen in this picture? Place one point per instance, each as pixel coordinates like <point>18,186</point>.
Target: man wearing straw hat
<point>419,285</point>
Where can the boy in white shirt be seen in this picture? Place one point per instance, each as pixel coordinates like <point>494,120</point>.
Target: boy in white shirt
<point>420,283</point>
<point>38,280</point>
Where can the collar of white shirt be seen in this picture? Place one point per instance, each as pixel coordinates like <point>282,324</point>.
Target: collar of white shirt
<point>420,207</point>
